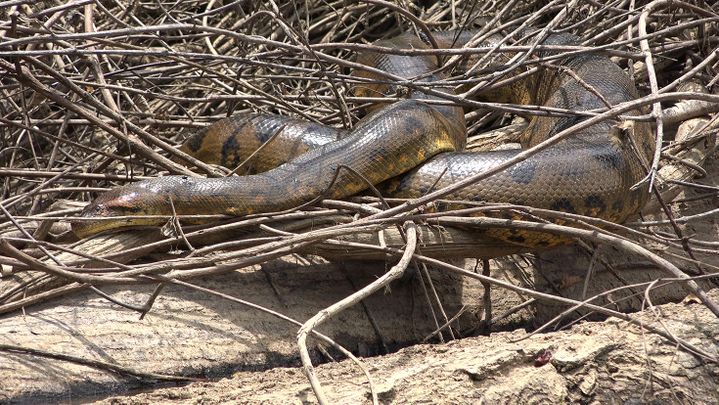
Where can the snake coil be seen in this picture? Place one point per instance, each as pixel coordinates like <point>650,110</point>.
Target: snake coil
<point>412,146</point>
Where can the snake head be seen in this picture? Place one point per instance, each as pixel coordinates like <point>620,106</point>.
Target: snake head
<point>115,209</point>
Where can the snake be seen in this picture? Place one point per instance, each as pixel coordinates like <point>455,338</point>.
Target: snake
<point>413,146</point>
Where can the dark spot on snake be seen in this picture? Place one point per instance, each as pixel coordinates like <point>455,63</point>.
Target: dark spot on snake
<point>563,205</point>
<point>542,242</point>
<point>230,148</point>
<point>618,206</point>
<point>570,172</point>
<point>412,123</point>
<point>524,173</point>
<point>516,238</point>
<point>264,136</point>
<point>595,201</point>
<point>609,159</point>
<point>424,188</point>
<point>563,123</point>
<point>196,140</point>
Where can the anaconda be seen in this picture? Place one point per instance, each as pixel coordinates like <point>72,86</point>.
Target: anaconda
<point>412,146</point>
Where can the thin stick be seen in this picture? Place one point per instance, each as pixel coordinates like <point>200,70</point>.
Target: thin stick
<point>394,273</point>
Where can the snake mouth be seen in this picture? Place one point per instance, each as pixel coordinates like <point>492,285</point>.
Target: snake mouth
<point>117,209</point>
<point>102,218</point>
<point>84,227</point>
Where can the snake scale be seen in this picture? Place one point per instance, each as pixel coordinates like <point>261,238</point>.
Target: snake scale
<point>412,146</point>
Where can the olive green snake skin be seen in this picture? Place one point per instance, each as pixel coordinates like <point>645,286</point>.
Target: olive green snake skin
<point>416,146</point>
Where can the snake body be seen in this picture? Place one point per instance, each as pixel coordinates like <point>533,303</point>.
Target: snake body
<point>412,147</point>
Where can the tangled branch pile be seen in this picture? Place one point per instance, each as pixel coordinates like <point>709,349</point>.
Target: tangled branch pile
<point>97,94</point>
